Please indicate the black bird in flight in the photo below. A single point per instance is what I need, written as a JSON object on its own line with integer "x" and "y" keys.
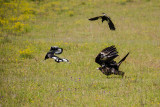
{"x": 104, "y": 17}
{"x": 51, "y": 54}
{"x": 106, "y": 60}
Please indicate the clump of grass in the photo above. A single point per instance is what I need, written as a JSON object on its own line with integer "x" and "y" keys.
{"x": 129, "y": 0}
{"x": 26, "y": 53}
{"x": 123, "y": 2}
{"x": 70, "y": 13}
{"x": 15, "y": 15}
{"x": 5, "y": 40}
{"x": 83, "y": 3}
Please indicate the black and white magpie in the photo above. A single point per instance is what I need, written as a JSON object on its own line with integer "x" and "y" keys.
{"x": 106, "y": 60}
{"x": 104, "y": 17}
{"x": 55, "y": 50}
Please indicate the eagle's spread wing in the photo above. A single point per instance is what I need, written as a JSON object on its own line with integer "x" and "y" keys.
{"x": 106, "y": 55}
{"x": 94, "y": 18}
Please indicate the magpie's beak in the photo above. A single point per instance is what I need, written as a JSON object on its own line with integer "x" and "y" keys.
{"x": 104, "y": 14}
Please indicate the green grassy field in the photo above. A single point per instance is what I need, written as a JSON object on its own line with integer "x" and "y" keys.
{"x": 27, "y": 80}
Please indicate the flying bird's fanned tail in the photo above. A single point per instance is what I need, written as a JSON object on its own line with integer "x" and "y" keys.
{"x": 123, "y": 59}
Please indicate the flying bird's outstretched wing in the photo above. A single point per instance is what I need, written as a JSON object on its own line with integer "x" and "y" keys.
{"x": 106, "y": 55}
{"x": 111, "y": 25}
{"x": 49, "y": 54}
{"x": 56, "y": 49}
{"x": 59, "y": 51}
{"x": 94, "y": 18}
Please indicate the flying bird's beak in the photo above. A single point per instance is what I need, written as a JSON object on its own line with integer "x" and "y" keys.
{"x": 104, "y": 14}
{"x": 97, "y": 68}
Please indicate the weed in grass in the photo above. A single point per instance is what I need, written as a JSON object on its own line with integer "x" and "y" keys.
{"x": 26, "y": 53}
{"x": 5, "y": 39}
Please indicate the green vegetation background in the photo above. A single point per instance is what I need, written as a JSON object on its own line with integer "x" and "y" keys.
{"x": 28, "y": 28}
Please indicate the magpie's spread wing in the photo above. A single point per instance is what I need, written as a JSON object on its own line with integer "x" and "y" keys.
{"x": 50, "y": 54}
{"x": 59, "y": 51}
{"x": 111, "y": 25}
{"x": 106, "y": 55}
{"x": 94, "y": 18}
{"x": 56, "y": 49}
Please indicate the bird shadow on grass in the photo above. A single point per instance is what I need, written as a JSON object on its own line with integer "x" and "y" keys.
{"x": 120, "y": 77}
